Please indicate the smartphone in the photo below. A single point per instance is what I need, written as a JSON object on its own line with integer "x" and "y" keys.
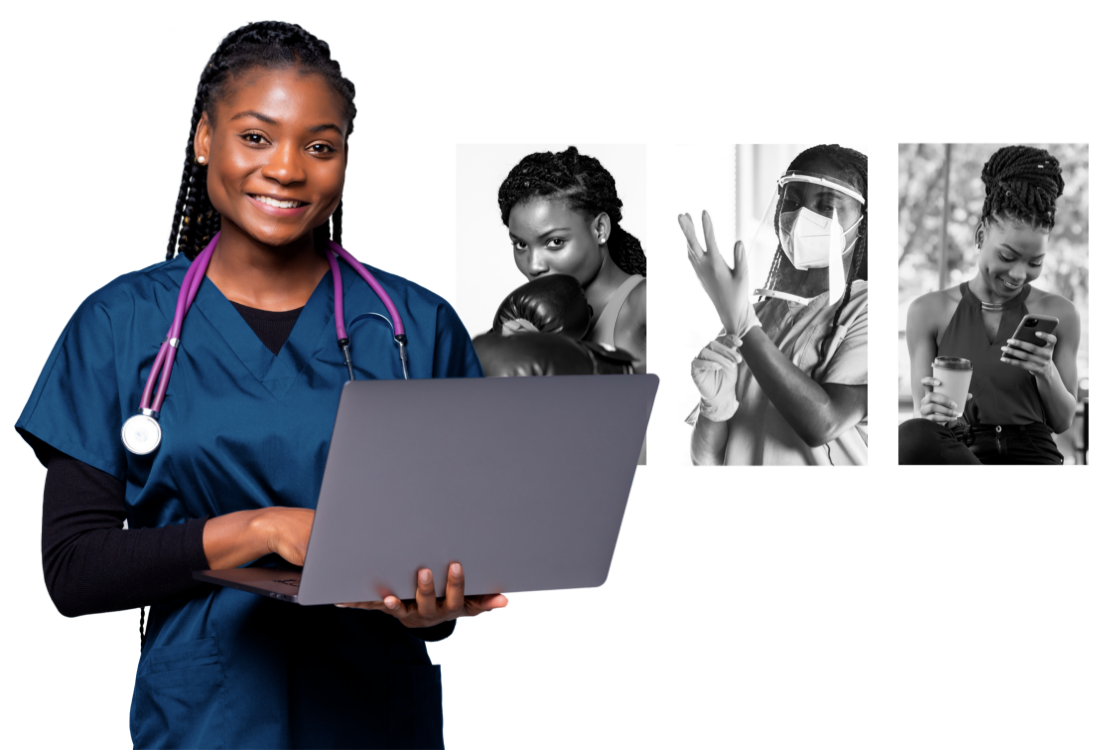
{"x": 1032, "y": 324}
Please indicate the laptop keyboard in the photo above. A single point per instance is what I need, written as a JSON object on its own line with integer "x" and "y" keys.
{"x": 288, "y": 581}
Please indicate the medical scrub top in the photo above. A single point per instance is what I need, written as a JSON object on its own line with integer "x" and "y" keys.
{"x": 244, "y": 428}
{"x": 757, "y": 433}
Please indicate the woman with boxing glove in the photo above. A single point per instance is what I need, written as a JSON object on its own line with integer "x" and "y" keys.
{"x": 786, "y": 382}
{"x": 563, "y": 214}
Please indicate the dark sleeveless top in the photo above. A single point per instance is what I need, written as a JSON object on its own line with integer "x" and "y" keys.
{"x": 1002, "y": 394}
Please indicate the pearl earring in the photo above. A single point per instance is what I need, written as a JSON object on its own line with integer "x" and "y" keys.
{"x": 200, "y": 160}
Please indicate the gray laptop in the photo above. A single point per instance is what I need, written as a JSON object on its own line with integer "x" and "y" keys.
{"x": 521, "y": 480}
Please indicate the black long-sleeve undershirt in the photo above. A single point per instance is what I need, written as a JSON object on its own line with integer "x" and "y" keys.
{"x": 92, "y": 564}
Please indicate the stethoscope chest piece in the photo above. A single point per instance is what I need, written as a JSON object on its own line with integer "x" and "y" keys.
{"x": 141, "y": 434}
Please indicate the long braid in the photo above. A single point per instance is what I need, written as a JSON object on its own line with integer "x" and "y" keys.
{"x": 858, "y": 262}
{"x": 772, "y": 273}
{"x": 779, "y": 262}
{"x": 626, "y": 251}
{"x": 190, "y": 170}
{"x": 268, "y": 44}
{"x": 585, "y": 185}
{"x": 1022, "y": 184}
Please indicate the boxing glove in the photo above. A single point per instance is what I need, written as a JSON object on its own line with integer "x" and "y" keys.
{"x": 532, "y": 353}
{"x": 549, "y": 304}
{"x": 609, "y": 361}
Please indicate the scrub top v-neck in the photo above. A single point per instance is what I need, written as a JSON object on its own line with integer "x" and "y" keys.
{"x": 275, "y": 372}
{"x": 245, "y": 428}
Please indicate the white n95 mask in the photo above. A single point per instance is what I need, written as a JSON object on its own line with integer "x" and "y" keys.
{"x": 808, "y": 238}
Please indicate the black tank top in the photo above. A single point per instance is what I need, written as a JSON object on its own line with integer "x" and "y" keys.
{"x": 1002, "y": 394}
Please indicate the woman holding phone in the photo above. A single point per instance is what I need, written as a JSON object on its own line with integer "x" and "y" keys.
{"x": 1021, "y": 391}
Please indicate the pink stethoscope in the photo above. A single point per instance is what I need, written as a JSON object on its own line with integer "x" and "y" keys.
{"x": 141, "y": 432}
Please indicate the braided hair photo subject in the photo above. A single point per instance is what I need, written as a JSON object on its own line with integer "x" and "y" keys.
{"x": 585, "y": 185}
{"x": 1021, "y": 184}
{"x": 852, "y": 167}
{"x": 265, "y": 44}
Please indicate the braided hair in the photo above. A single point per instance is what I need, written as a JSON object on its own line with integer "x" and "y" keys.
{"x": 852, "y": 167}
{"x": 267, "y": 44}
{"x": 1021, "y": 184}
{"x": 586, "y": 187}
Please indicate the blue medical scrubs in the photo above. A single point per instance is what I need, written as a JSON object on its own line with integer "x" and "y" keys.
{"x": 243, "y": 429}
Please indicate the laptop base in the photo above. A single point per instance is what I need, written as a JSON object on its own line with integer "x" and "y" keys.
{"x": 276, "y": 583}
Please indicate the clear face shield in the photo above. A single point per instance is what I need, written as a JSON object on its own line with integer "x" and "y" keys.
{"x": 805, "y": 237}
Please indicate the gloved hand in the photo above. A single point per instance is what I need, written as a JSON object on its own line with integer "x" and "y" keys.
{"x": 727, "y": 288}
{"x": 531, "y": 353}
{"x": 550, "y": 304}
{"x": 714, "y": 371}
{"x": 607, "y": 361}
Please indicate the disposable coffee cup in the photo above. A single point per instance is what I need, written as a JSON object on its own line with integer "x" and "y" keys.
{"x": 954, "y": 374}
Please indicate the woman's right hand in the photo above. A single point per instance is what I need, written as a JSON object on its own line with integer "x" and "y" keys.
{"x": 286, "y": 532}
{"x": 938, "y": 407}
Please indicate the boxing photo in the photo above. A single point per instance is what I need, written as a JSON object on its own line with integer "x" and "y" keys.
{"x": 552, "y": 276}
{"x": 993, "y": 304}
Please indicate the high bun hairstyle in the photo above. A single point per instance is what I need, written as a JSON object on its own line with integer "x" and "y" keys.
{"x": 267, "y": 44}
{"x": 1021, "y": 184}
{"x": 852, "y": 167}
{"x": 585, "y": 185}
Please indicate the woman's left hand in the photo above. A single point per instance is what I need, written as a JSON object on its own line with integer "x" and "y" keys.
{"x": 426, "y": 610}
{"x": 1037, "y": 360}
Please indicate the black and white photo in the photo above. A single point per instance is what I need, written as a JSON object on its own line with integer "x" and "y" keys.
{"x": 785, "y": 382}
{"x": 995, "y": 350}
{"x": 563, "y": 291}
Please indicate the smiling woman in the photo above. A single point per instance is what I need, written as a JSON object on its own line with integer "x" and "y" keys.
{"x": 248, "y": 419}
{"x": 998, "y": 331}
{"x": 274, "y": 153}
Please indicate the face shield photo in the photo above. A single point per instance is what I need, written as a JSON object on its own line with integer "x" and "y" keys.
{"x": 806, "y": 236}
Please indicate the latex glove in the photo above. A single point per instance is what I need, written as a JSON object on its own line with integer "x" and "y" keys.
{"x": 726, "y": 287}
{"x": 714, "y": 371}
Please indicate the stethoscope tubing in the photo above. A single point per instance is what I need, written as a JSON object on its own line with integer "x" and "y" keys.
{"x": 164, "y": 360}
{"x": 141, "y": 433}
{"x": 396, "y": 321}
{"x": 152, "y": 398}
